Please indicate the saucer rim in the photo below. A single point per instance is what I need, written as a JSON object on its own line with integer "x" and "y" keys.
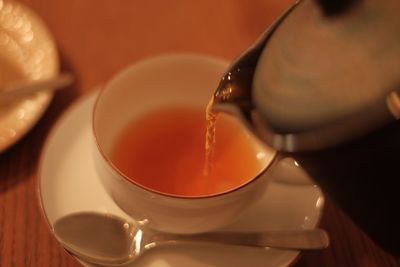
{"x": 39, "y": 172}
{"x": 50, "y": 136}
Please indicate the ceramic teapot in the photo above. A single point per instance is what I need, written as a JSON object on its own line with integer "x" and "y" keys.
{"x": 322, "y": 85}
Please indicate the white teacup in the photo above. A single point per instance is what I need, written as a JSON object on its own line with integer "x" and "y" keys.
{"x": 165, "y": 81}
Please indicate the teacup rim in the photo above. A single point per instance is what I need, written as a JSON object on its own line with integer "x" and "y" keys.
{"x": 138, "y": 64}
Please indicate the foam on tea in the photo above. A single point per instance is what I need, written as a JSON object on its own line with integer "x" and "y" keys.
{"x": 164, "y": 150}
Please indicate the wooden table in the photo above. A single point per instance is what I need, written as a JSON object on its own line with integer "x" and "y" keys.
{"x": 96, "y": 38}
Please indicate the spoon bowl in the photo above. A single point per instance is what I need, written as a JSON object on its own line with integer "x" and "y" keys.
{"x": 105, "y": 239}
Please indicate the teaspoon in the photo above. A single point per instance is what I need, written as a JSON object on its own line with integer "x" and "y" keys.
{"x": 105, "y": 239}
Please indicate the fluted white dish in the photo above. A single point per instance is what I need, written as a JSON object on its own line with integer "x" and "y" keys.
{"x": 27, "y": 50}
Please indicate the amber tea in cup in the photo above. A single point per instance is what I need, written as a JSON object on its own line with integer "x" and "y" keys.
{"x": 164, "y": 150}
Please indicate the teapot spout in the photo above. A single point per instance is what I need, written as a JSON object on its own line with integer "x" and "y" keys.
{"x": 232, "y": 94}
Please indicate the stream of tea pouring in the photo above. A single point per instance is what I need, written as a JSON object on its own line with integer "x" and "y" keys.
{"x": 105, "y": 239}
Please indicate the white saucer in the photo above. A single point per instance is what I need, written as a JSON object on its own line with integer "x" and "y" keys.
{"x": 68, "y": 183}
{"x": 27, "y": 48}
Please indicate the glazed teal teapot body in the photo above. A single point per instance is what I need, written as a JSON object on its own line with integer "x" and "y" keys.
{"x": 322, "y": 85}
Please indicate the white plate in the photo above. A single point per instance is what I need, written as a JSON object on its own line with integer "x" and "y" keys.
{"x": 27, "y": 48}
{"x": 68, "y": 183}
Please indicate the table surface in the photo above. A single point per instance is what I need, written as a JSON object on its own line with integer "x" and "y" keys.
{"x": 96, "y": 39}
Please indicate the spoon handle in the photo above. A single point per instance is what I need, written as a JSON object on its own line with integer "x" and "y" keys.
{"x": 16, "y": 91}
{"x": 285, "y": 239}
